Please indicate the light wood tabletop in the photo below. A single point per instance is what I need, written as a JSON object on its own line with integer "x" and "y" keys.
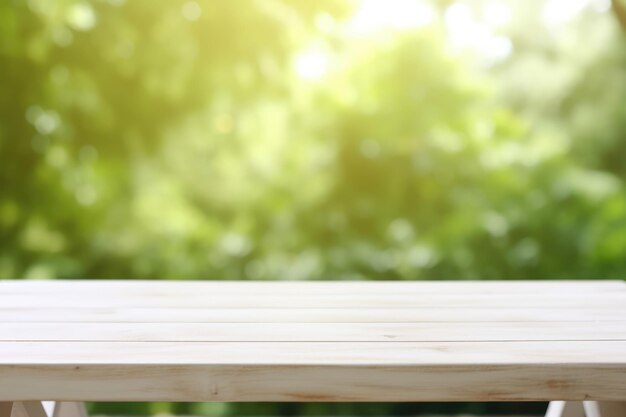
{"x": 312, "y": 341}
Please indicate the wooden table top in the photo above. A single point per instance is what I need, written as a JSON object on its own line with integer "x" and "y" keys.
{"x": 312, "y": 341}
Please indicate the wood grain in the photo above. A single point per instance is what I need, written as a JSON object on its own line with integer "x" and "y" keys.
{"x": 314, "y": 383}
{"x": 313, "y": 332}
{"x": 309, "y": 315}
{"x": 312, "y": 341}
{"x": 539, "y": 353}
{"x": 611, "y": 300}
{"x": 318, "y": 288}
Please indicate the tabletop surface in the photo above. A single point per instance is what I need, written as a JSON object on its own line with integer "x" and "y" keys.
{"x": 312, "y": 341}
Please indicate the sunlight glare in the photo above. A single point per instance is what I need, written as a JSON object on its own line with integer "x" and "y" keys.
{"x": 311, "y": 65}
{"x": 82, "y": 17}
{"x": 373, "y": 16}
{"x": 191, "y": 11}
{"x": 497, "y": 14}
{"x": 558, "y": 12}
{"x": 465, "y": 32}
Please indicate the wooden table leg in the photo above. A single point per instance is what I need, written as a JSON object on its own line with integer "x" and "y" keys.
{"x": 5, "y": 408}
{"x": 33, "y": 408}
{"x": 69, "y": 409}
{"x": 605, "y": 408}
{"x": 43, "y": 409}
{"x": 565, "y": 409}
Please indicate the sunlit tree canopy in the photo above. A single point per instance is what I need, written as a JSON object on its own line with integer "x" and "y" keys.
{"x": 404, "y": 139}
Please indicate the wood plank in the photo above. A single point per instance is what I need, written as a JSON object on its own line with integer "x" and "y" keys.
{"x": 204, "y": 287}
{"x": 538, "y": 353}
{"x": 91, "y": 300}
{"x": 268, "y": 342}
{"x": 313, "y": 332}
{"x": 309, "y": 315}
{"x": 314, "y": 383}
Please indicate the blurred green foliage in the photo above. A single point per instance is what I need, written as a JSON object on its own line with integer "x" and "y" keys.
{"x": 276, "y": 139}
{"x": 177, "y": 141}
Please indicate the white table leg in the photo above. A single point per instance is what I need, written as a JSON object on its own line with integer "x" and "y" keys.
{"x": 43, "y": 409}
{"x": 565, "y": 409}
{"x": 48, "y": 407}
{"x": 605, "y": 408}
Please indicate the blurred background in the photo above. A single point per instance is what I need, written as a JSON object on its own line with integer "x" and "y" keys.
{"x": 312, "y": 140}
